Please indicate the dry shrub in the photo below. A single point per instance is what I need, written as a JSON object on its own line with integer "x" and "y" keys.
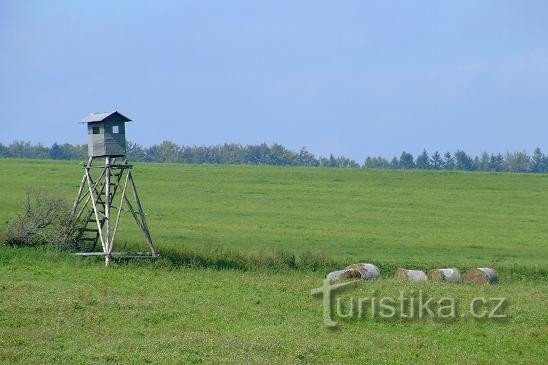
{"x": 44, "y": 219}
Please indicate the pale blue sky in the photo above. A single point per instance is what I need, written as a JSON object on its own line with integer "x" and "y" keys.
{"x": 355, "y": 78}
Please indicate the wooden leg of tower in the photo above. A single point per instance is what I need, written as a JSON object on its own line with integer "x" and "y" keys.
{"x": 120, "y": 205}
{"x": 80, "y": 190}
{"x": 94, "y": 205}
{"x": 144, "y": 225}
{"x": 108, "y": 243}
{"x": 73, "y": 216}
{"x": 78, "y": 197}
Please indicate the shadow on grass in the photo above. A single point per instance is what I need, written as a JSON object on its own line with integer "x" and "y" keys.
{"x": 219, "y": 259}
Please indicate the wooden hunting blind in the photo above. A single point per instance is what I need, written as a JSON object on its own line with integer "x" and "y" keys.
{"x": 106, "y": 190}
{"x": 106, "y": 134}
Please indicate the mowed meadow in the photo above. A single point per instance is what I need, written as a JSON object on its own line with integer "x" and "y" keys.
{"x": 208, "y": 299}
{"x": 346, "y": 214}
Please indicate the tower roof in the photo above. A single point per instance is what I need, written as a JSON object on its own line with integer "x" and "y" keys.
{"x": 101, "y": 116}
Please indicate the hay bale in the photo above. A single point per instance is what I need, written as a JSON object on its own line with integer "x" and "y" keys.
{"x": 367, "y": 271}
{"x": 451, "y": 275}
{"x": 410, "y": 275}
{"x": 355, "y": 271}
{"x": 481, "y": 275}
{"x": 340, "y": 275}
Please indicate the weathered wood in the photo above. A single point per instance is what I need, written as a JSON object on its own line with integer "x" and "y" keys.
{"x": 88, "y": 239}
{"x": 95, "y": 208}
{"x": 119, "y": 254}
{"x": 120, "y": 209}
{"x": 142, "y": 214}
{"x": 103, "y": 140}
{"x": 77, "y": 200}
{"x": 81, "y": 196}
{"x": 108, "y": 244}
{"x": 113, "y": 166}
{"x": 99, "y": 197}
{"x": 99, "y": 193}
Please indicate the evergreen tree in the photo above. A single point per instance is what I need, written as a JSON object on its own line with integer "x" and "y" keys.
{"x": 423, "y": 161}
{"x": 476, "y": 163}
{"x": 332, "y": 161}
{"x": 436, "y": 161}
{"x": 306, "y": 158}
{"x": 538, "y": 161}
{"x": 282, "y": 156}
{"x": 55, "y": 152}
{"x": 449, "y": 161}
{"x": 483, "y": 164}
{"x": 406, "y": 161}
{"x": 496, "y": 162}
{"x": 463, "y": 161}
{"x": 4, "y": 151}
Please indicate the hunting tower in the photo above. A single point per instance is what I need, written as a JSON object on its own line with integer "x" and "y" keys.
{"x": 97, "y": 209}
{"x": 106, "y": 134}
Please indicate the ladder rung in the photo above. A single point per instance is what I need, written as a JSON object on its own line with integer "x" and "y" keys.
{"x": 88, "y": 239}
{"x": 102, "y": 203}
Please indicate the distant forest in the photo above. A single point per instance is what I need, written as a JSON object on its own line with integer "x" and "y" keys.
{"x": 278, "y": 155}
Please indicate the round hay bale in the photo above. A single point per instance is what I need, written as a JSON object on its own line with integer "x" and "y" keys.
{"x": 410, "y": 275}
{"x": 481, "y": 275}
{"x": 367, "y": 271}
{"x": 340, "y": 275}
{"x": 451, "y": 275}
{"x": 355, "y": 271}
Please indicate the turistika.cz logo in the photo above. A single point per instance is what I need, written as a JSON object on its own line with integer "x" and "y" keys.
{"x": 409, "y": 305}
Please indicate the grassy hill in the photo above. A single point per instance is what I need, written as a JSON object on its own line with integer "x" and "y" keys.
{"x": 55, "y": 308}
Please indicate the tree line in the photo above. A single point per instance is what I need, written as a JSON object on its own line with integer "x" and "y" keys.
{"x": 278, "y": 155}
{"x": 167, "y": 151}
{"x": 519, "y": 161}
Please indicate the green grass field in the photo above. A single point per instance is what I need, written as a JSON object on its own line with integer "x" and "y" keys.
{"x": 55, "y": 308}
